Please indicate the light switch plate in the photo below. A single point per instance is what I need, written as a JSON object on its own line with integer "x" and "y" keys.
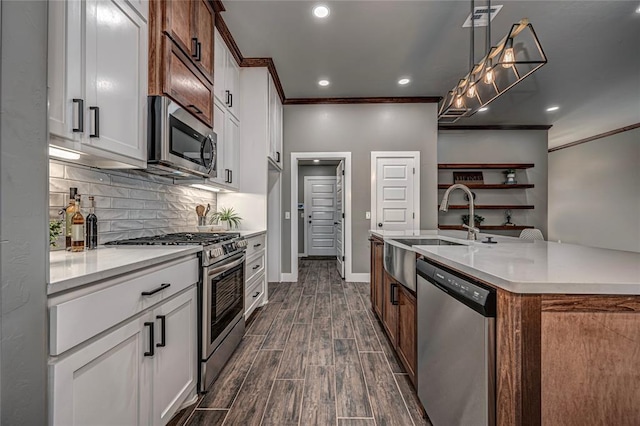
{"x": 367, "y": 215}
{"x": 287, "y": 215}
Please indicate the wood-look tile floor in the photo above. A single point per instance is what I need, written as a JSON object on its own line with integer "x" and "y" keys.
{"x": 314, "y": 355}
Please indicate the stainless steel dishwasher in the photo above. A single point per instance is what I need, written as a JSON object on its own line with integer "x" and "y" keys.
{"x": 456, "y": 348}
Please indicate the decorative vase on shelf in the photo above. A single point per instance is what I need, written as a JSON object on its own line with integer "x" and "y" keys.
{"x": 510, "y": 176}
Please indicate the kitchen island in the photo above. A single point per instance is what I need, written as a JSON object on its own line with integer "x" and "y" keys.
{"x": 567, "y": 326}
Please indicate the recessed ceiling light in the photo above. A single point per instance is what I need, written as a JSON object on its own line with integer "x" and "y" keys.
{"x": 321, "y": 11}
{"x": 316, "y": 161}
{"x": 483, "y": 109}
{"x": 404, "y": 81}
{"x": 553, "y": 108}
{"x": 638, "y": 9}
{"x": 323, "y": 83}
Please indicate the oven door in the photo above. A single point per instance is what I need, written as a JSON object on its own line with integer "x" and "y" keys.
{"x": 223, "y": 301}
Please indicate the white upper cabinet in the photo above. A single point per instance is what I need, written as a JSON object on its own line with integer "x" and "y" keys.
{"x": 98, "y": 78}
{"x": 226, "y": 76}
{"x": 232, "y": 151}
{"x": 275, "y": 124}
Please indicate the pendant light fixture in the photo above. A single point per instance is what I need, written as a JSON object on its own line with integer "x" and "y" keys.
{"x": 513, "y": 59}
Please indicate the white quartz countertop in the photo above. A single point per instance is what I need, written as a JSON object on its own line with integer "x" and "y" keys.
{"x": 69, "y": 270}
{"x": 541, "y": 267}
{"x": 250, "y": 233}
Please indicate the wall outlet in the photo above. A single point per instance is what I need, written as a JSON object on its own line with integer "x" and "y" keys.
{"x": 287, "y": 215}
{"x": 367, "y": 215}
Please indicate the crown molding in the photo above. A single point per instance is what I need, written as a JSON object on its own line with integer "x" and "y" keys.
{"x": 373, "y": 100}
{"x": 498, "y": 127}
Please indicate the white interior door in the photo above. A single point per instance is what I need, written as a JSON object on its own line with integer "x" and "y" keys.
{"x": 395, "y": 208}
{"x": 339, "y": 222}
{"x": 320, "y": 215}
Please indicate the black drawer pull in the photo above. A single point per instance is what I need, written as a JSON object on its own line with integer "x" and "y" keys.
{"x": 256, "y": 245}
{"x": 256, "y": 267}
{"x": 228, "y": 93}
{"x": 230, "y": 100}
{"x": 394, "y": 294}
{"x": 163, "y": 331}
{"x": 277, "y": 156}
{"x": 256, "y": 295}
{"x": 80, "y": 127}
{"x": 152, "y": 348}
{"x": 195, "y": 108}
{"x": 96, "y": 123}
{"x": 155, "y": 290}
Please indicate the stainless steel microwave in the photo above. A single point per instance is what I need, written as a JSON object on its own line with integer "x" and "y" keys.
{"x": 179, "y": 145}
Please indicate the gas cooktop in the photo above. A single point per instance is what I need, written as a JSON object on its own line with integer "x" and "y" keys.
{"x": 178, "y": 239}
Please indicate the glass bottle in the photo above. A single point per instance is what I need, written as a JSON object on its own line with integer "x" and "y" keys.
{"x": 69, "y": 212}
{"x": 91, "y": 242}
{"x": 77, "y": 229}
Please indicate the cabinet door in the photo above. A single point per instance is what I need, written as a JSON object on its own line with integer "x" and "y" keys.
{"x": 65, "y": 70}
{"x": 219, "y": 118}
{"x": 390, "y": 307}
{"x": 273, "y": 105}
{"x": 232, "y": 151}
{"x": 377, "y": 270}
{"x": 116, "y": 78}
{"x": 233, "y": 85}
{"x": 106, "y": 382}
{"x": 407, "y": 330}
{"x": 178, "y": 23}
{"x": 278, "y": 129}
{"x": 203, "y": 23}
{"x": 219, "y": 68}
{"x": 186, "y": 86}
{"x": 175, "y": 360}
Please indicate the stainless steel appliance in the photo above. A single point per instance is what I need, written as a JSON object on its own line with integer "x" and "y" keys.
{"x": 220, "y": 294}
{"x": 179, "y": 145}
{"x": 456, "y": 348}
{"x": 400, "y": 263}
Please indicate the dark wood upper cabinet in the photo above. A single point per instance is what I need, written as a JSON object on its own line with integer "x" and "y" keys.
{"x": 178, "y": 23}
{"x": 203, "y": 32}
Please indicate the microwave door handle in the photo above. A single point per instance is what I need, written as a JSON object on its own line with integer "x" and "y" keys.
{"x": 208, "y": 141}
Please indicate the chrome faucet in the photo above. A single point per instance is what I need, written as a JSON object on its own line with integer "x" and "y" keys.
{"x": 444, "y": 206}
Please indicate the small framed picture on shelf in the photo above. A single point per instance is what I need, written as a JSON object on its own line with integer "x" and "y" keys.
{"x": 468, "y": 178}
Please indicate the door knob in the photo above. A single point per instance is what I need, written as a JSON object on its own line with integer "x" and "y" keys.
{"x": 309, "y": 221}
{"x": 380, "y": 225}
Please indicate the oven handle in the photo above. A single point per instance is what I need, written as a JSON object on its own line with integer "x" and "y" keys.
{"x": 229, "y": 263}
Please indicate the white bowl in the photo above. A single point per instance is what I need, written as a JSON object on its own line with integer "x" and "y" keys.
{"x": 217, "y": 227}
{"x": 206, "y": 228}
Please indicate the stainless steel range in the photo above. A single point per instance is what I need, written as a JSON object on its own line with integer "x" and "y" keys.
{"x": 220, "y": 294}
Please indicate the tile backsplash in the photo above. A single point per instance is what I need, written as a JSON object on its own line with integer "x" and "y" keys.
{"x": 129, "y": 204}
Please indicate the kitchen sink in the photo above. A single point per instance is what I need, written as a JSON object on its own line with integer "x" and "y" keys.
{"x": 425, "y": 242}
{"x": 400, "y": 263}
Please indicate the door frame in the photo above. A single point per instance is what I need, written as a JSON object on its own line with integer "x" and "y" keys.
{"x": 295, "y": 157}
{"x": 416, "y": 183}
{"x": 306, "y": 228}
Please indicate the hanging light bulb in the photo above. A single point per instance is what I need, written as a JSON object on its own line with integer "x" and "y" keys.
{"x": 459, "y": 103}
{"x": 509, "y": 57}
{"x": 471, "y": 91}
{"x": 488, "y": 76}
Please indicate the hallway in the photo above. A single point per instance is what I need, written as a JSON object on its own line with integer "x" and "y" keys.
{"x": 315, "y": 355}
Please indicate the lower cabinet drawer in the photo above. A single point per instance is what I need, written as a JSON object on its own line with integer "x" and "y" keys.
{"x": 77, "y": 320}
{"x": 254, "y": 268}
{"x": 255, "y": 244}
{"x": 254, "y": 294}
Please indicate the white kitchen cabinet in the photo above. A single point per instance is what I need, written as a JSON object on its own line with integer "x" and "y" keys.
{"x": 275, "y": 124}
{"x": 98, "y": 78}
{"x": 255, "y": 274}
{"x": 226, "y": 77}
{"x": 227, "y": 129}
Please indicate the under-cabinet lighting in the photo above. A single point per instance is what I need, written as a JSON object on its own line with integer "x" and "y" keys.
{"x": 321, "y": 11}
{"x": 553, "y": 108}
{"x": 316, "y": 161}
{"x": 63, "y": 153}
{"x": 205, "y": 187}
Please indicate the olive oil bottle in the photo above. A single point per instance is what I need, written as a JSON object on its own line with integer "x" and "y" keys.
{"x": 77, "y": 228}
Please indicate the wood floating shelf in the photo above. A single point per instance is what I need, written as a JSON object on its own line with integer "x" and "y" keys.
{"x": 492, "y": 207}
{"x": 491, "y": 186}
{"x": 487, "y": 227}
{"x": 461, "y": 166}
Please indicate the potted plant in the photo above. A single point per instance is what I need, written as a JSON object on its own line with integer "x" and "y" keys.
{"x": 510, "y": 175}
{"x": 55, "y": 229}
{"x": 477, "y": 218}
{"x": 228, "y": 216}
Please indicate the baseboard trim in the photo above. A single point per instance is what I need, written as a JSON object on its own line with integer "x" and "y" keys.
{"x": 288, "y": 278}
{"x": 359, "y": 277}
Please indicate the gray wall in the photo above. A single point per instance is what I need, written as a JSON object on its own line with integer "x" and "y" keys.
{"x": 498, "y": 146}
{"x": 23, "y": 212}
{"x": 594, "y": 193}
{"x": 361, "y": 129}
{"x": 129, "y": 204}
{"x": 302, "y": 172}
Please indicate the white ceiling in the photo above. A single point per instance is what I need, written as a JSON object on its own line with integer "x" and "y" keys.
{"x": 364, "y": 47}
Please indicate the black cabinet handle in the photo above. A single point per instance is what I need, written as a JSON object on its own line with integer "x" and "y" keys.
{"x": 257, "y": 245}
{"x": 226, "y": 175}
{"x": 199, "y": 52}
{"x": 96, "y": 128}
{"x": 256, "y": 295}
{"x": 155, "y": 290}
{"x": 152, "y": 348}
{"x": 230, "y": 100}
{"x": 80, "y": 127}
{"x": 228, "y": 93}
{"x": 163, "y": 331}
{"x": 394, "y": 294}
{"x": 230, "y": 176}
{"x": 195, "y": 108}
{"x": 277, "y": 156}
{"x": 255, "y": 267}
{"x": 194, "y": 48}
